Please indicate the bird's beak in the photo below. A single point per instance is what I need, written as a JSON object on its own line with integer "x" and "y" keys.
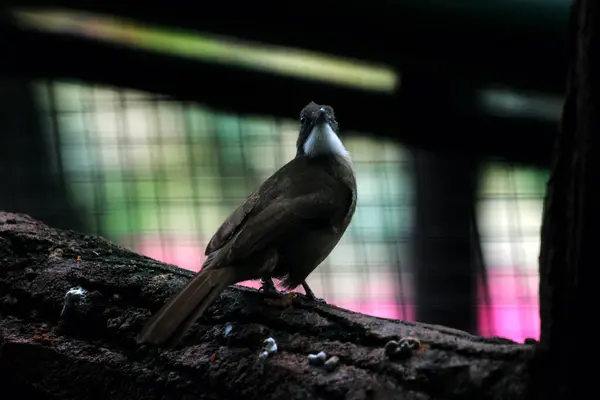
{"x": 321, "y": 117}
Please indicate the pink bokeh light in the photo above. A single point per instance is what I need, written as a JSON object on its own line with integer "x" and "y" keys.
{"x": 512, "y": 312}
{"x": 514, "y": 306}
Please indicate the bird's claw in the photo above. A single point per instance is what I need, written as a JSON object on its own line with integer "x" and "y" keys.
{"x": 269, "y": 287}
{"x": 317, "y": 299}
{"x": 272, "y": 291}
{"x": 311, "y": 295}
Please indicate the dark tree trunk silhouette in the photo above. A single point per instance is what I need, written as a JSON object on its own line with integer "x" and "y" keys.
{"x": 570, "y": 251}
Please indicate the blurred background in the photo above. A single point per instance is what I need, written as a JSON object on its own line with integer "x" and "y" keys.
{"x": 148, "y": 127}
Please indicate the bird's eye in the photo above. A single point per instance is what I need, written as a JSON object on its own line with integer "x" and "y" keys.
{"x": 302, "y": 120}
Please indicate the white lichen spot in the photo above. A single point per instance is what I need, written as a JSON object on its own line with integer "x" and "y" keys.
{"x": 72, "y": 298}
{"x": 332, "y": 363}
{"x": 317, "y": 359}
{"x": 263, "y": 356}
{"x": 269, "y": 346}
{"x": 228, "y": 330}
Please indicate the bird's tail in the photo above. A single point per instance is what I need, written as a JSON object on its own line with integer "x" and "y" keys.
{"x": 178, "y": 314}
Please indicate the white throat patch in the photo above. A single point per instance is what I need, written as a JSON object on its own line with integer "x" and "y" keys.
{"x": 323, "y": 140}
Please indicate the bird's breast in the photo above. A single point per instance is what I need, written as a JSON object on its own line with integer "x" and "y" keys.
{"x": 301, "y": 254}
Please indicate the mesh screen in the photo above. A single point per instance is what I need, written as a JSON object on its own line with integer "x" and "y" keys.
{"x": 159, "y": 176}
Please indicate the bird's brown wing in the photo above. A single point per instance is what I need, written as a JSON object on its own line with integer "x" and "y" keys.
{"x": 271, "y": 189}
{"x": 231, "y": 224}
{"x": 315, "y": 200}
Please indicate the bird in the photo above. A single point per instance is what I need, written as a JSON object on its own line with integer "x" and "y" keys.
{"x": 283, "y": 230}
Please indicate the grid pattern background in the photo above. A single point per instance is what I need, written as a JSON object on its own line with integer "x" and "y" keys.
{"x": 509, "y": 217}
{"x": 159, "y": 176}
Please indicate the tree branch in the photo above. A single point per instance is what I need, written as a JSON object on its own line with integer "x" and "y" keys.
{"x": 90, "y": 350}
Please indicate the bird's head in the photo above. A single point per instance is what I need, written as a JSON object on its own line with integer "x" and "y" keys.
{"x": 319, "y": 132}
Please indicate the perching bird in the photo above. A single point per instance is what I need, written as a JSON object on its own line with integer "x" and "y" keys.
{"x": 283, "y": 230}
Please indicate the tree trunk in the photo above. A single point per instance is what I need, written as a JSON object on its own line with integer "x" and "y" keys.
{"x": 570, "y": 250}
{"x": 89, "y": 351}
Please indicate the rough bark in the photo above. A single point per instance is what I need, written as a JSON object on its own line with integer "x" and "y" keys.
{"x": 90, "y": 351}
{"x": 570, "y": 252}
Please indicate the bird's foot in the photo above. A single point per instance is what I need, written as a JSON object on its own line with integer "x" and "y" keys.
{"x": 311, "y": 295}
{"x": 269, "y": 287}
{"x": 316, "y": 299}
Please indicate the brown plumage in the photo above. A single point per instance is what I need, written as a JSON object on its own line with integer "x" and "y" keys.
{"x": 283, "y": 230}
